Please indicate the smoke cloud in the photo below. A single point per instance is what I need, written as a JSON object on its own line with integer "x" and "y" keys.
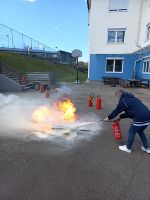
{"x": 16, "y": 117}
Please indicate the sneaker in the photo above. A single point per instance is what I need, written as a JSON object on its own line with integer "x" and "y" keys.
{"x": 124, "y": 148}
{"x": 146, "y": 150}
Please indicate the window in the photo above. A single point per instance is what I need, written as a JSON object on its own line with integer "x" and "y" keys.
{"x": 148, "y": 32}
{"x": 114, "y": 65}
{"x": 118, "y": 5}
{"x": 146, "y": 67}
{"x": 116, "y": 35}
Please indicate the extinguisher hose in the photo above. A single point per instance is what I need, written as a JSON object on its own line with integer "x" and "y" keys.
{"x": 103, "y": 121}
{"x": 94, "y": 122}
{"x": 87, "y": 124}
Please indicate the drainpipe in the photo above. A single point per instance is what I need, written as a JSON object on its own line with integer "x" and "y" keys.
{"x": 134, "y": 70}
{"x": 139, "y": 24}
{"x": 137, "y": 39}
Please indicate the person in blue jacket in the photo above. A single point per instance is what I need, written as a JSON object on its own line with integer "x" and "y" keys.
{"x": 131, "y": 107}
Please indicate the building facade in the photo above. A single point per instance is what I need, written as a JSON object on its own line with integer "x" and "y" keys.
{"x": 119, "y": 39}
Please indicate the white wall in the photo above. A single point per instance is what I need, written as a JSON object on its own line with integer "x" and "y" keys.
{"x": 101, "y": 19}
{"x": 145, "y": 19}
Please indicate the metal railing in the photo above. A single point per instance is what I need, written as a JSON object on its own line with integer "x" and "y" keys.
{"x": 12, "y": 39}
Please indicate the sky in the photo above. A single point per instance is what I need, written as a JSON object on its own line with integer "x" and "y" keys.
{"x": 59, "y": 24}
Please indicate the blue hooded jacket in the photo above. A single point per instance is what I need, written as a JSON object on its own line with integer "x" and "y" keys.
{"x": 132, "y": 108}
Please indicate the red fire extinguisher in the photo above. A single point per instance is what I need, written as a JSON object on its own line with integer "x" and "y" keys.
{"x": 116, "y": 130}
{"x": 90, "y": 101}
{"x": 42, "y": 88}
{"x": 98, "y": 103}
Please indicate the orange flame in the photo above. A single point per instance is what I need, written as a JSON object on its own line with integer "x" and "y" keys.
{"x": 41, "y": 114}
{"x": 40, "y": 117}
{"x": 68, "y": 110}
{"x": 58, "y": 113}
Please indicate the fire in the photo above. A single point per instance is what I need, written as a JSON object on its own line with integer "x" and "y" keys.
{"x": 40, "y": 117}
{"x": 68, "y": 110}
{"x": 58, "y": 113}
{"x": 41, "y": 114}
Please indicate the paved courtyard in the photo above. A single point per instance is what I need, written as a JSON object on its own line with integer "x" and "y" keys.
{"x": 84, "y": 168}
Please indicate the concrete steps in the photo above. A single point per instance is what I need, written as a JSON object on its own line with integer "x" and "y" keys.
{"x": 12, "y": 77}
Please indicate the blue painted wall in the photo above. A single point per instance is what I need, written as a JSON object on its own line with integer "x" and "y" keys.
{"x": 98, "y": 65}
{"x": 139, "y": 67}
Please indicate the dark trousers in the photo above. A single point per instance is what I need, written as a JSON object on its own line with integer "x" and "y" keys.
{"x": 132, "y": 132}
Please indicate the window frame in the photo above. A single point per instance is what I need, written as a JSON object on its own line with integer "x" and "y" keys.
{"x": 114, "y": 61}
{"x": 116, "y": 30}
{"x": 146, "y": 65}
{"x": 118, "y": 9}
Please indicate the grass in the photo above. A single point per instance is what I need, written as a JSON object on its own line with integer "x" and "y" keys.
{"x": 65, "y": 73}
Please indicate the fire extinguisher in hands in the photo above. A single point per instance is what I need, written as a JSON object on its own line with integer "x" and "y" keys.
{"x": 115, "y": 127}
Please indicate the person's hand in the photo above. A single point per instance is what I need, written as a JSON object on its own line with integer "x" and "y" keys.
{"x": 106, "y": 119}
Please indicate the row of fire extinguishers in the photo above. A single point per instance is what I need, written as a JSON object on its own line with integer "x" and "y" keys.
{"x": 98, "y": 101}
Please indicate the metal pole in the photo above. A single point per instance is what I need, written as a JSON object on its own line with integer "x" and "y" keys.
{"x": 44, "y": 48}
{"x": 12, "y": 39}
{"x": 31, "y": 43}
{"x": 77, "y": 71}
{"x": 22, "y": 42}
{"x": 7, "y": 40}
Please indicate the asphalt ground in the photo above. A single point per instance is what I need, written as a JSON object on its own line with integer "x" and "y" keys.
{"x": 89, "y": 169}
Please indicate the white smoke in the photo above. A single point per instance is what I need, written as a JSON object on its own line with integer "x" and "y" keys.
{"x": 13, "y": 114}
{"x": 16, "y": 112}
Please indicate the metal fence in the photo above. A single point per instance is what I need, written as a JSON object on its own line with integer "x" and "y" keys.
{"x": 12, "y": 39}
